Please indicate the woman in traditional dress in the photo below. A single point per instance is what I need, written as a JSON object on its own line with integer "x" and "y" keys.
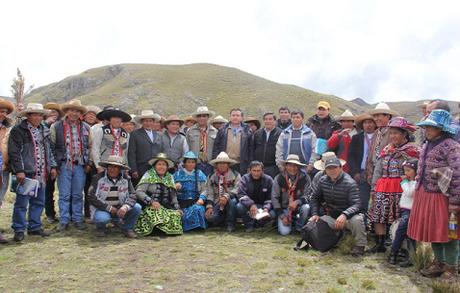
{"x": 437, "y": 195}
{"x": 387, "y": 178}
{"x": 157, "y": 191}
{"x": 190, "y": 186}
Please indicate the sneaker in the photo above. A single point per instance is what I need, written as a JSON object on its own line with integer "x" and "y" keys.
{"x": 80, "y": 226}
{"x": 63, "y": 227}
{"x": 357, "y": 251}
{"x": 130, "y": 234}
{"x": 18, "y": 236}
{"x": 39, "y": 232}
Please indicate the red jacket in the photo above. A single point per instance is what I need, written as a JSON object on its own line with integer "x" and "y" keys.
{"x": 339, "y": 144}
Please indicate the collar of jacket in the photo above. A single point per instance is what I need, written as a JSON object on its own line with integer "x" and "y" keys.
{"x": 243, "y": 125}
{"x": 322, "y": 120}
{"x": 24, "y": 125}
{"x": 304, "y": 129}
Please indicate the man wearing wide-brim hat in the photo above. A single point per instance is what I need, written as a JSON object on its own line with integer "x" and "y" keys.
{"x": 253, "y": 123}
{"x": 338, "y": 193}
{"x": 222, "y": 192}
{"x": 218, "y": 122}
{"x": 30, "y": 156}
{"x": 200, "y": 138}
{"x": 340, "y": 140}
{"x": 144, "y": 144}
{"x": 70, "y": 142}
{"x": 290, "y": 195}
{"x": 55, "y": 113}
{"x": 173, "y": 142}
{"x": 189, "y": 121}
{"x": 6, "y": 108}
{"x": 90, "y": 115}
{"x": 382, "y": 115}
{"x": 110, "y": 139}
{"x": 113, "y": 196}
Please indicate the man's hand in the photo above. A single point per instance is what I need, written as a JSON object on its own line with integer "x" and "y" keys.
{"x": 223, "y": 201}
{"x": 53, "y": 173}
{"x": 100, "y": 170}
{"x": 122, "y": 212}
{"x": 178, "y": 186}
{"x": 180, "y": 213}
{"x": 87, "y": 169}
{"x": 20, "y": 177}
{"x": 253, "y": 211}
{"x": 156, "y": 205}
{"x": 340, "y": 222}
{"x": 200, "y": 202}
{"x": 113, "y": 211}
{"x": 293, "y": 205}
{"x": 208, "y": 213}
{"x": 314, "y": 218}
{"x": 135, "y": 175}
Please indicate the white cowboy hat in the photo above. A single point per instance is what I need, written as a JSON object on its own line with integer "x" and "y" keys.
{"x": 147, "y": 114}
{"x": 383, "y": 108}
{"x": 73, "y": 104}
{"x": 328, "y": 159}
{"x": 94, "y": 109}
{"x": 33, "y": 108}
{"x": 346, "y": 116}
{"x": 219, "y": 119}
{"x": 293, "y": 159}
{"x": 115, "y": 161}
{"x": 203, "y": 110}
{"x": 222, "y": 158}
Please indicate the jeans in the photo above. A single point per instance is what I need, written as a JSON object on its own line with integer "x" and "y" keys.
{"x": 49, "y": 198}
{"x": 71, "y": 182}
{"x": 206, "y": 168}
{"x": 401, "y": 232}
{"x": 225, "y": 216}
{"x": 243, "y": 212}
{"x": 35, "y": 204}
{"x": 4, "y": 187}
{"x": 102, "y": 218}
{"x": 299, "y": 218}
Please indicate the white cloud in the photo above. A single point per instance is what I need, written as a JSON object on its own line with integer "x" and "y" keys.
{"x": 377, "y": 50}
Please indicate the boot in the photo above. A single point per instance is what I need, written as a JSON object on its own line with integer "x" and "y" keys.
{"x": 379, "y": 244}
{"x": 450, "y": 273}
{"x": 434, "y": 270}
{"x": 393, "y": 258}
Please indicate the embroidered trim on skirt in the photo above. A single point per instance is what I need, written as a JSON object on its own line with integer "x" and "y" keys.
{"x": 166, "y": 220}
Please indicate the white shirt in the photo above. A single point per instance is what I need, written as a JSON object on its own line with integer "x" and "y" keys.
{"x": 367, "y": 145}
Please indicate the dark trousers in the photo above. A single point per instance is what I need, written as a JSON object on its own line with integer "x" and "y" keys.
{"x": 49, "y": 198}
{"x": 271, "y": 171}
{"x": 401, "y": 232}
{"x": 206, "y": 168}
{"x": 89, "y": 179}
{"x": 225, "y": 216}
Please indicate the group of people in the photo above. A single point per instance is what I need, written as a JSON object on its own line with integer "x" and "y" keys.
{"x": 151, "y": 174}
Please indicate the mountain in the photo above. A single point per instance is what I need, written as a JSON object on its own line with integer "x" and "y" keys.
{"x": 360, "y": 102}
{"x": 180, "y": 89}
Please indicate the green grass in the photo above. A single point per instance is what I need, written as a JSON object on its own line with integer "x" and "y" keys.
{"x": 211, "y": 261}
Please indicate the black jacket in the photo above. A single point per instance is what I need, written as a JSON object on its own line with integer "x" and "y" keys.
{"x": 355, "y": 153}
{"x": 246, "y": 191}
{"x": 323, "y": 128}
{"x": 264, "y": 151}
{"x": 142, "y": 149}
{"x": 21, "y": 150}
{"x": 340, "y": 197}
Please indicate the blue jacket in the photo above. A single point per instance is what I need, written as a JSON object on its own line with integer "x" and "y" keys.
{"x": 308, "y": 140}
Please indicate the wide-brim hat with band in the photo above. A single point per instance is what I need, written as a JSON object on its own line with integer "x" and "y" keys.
{"x": 222, "y": 158}
{"x": 383, "y": 108}
{"x": 253, "y": 120}
{"x": 172, "y": 118}
{"x": 33, "y": 108}
{"x": 162, "y": 157}
{"x": 203, "y": 110}
{"x": 359, "y": 120}
{"x": 346, "y": 116}
{"x": 293, "y": 159}
{"x": 219, "y": 119}
{"x": 402, "y": 123}
{"x": 5, "y": 104}
{"x": 328, "y": 159}
{"x": 75, "y": 105}
{"x": 189, "y": 118}
{"x": 440, "y": 119}
{"x": 95, "y": 109}
{"x": 147, "y": 114}
{"x": 55, "y": 107}
{"x": 114, "y": 161}
{"x": 110, "y": 111}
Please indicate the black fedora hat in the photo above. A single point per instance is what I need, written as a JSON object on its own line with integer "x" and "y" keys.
{"x": 110, "y": 111}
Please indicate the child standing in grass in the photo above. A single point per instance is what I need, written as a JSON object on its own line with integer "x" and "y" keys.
{"x": 408, "y": 186}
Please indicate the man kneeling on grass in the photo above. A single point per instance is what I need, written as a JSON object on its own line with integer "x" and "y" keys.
{"x": 339, "y": 194}
{"x": 114, "y": 197}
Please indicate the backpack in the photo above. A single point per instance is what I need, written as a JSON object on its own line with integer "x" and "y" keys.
{"x": 319, "y": 236}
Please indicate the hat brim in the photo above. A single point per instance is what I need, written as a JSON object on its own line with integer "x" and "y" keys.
{"x": 140, "y": 118}
{"x": 30, "y": 111}
{"x": 345, "y": 118}
{"x": 295, "y": 162}
{"x": 229, "y": 161}
{"x": 360, "y": 120}
{"x": 432, "y": 123}
{"x": 410, "y": 130}
{"x": 383, "y": 111}
{"x": 7, "y": 105}
{"x": 66, "y": 108}
{"x": 210, "y": 113}
{"x": 107, "y": 114}
{"x": 320, "y": 165}
{"x": 181, "y": 122}
{"x": 105, "y": 164}
{"x": 153, "y": 161}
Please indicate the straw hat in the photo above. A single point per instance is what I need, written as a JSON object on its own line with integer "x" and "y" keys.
{"x": 203, "y": 110}
{"x": 383, "y": 108}
{"x": 346, "y": 116}
{"x": 94, "y": 109}
{"x": 359, "y": 120}
{"x": 219, "y": 119}
{"x": 114, "y": 161}
{"x": 328, "y": 159}
{"x": 253, "y": 120}
{"x": 172, "y": 118}
{"x": 222, "y": 158}
{"x": 162, "y": 157}
{"x": 293, "y": 159}
{"x": 55, "y": 107}
{"x": 5, "y": 104}
{"x": 189, "y": 118}
{"x": 147, "y": 114}
{"x": 73, "y": 104}
{"x": 33, "y": 108}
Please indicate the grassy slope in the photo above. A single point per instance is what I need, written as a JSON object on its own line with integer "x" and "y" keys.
{"x": 211, "y": 261}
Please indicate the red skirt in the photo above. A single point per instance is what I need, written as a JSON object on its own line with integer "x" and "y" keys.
{"x": 429, "y": 218}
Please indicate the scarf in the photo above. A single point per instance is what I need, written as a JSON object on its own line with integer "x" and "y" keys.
{"x": 151, "y": 177}
{"x": 39, "y": 152}
{"x": 74, "y": 145}
{"x": 291, "y": 189}
{"x": 117, "y": 150}
{"x": 203, "y": 145}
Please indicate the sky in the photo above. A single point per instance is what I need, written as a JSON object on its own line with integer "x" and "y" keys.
{"x": 374, "y": 50}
